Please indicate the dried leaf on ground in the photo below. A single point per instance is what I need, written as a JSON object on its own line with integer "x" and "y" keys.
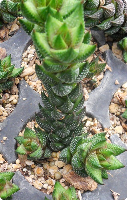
{"x": 81, "y": 183}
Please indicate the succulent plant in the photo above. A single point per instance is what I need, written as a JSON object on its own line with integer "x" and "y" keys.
{"x": 60, "y": 193}
{"x": 92, "y": 156}
{"x": 122, "y": 44}
{"x": 63, "y": 49}
{"x": 108, "y": 15}
{"x": 7, "y": 188}
{"x": 7, "y": 73}
{"x": 33, "y": 144}
{"x": 9, "y": 10}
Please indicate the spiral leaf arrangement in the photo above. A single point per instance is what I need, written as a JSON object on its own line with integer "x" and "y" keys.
{"x": 92, "y": 156}
{"x": 60, "y": 193}
{"x": 33, "y": 144}
{"x": 7, "y": 73}
{"x": 9, "y": 10}
{"x": 6, "y": 187}
{"x": 57, "y": 30}
{"x": 108, "y": 15}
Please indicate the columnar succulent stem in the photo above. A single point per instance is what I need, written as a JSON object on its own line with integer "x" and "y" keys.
{"x": 57, "y": 30}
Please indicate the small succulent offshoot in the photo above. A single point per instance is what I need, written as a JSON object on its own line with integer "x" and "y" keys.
{"x": 109, "y": 15}
{"x": 60, "y": 193}
{"x": 122, "y": 44}
{"x": 92, "y": 156}
{"x": 9, "y": 10}
{"x": 7, "y": 188}
{"x": 7, "y": 73}
{"x": 33, "y": 144}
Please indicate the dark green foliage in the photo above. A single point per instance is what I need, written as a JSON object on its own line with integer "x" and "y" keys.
{"x": 9, "y": 10}
{"x": 60, "y": 193}
{"x": 109, "y": 16}
{"x": 92, "y": 156}
{"x": 6, "y": 187}
{"x": 7, "y": 73}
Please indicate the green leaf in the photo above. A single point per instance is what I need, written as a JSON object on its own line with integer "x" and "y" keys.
{"x": 27, "y": 25}
{"x": 47, "y": 153}
{"x": 87, "y": 38}
{"x": 59, "y": 43}
{"x": 62, "y": 133}
{"x": 29, "y": 133}
{"x": 65, "y": 55}
{"x": 46, "y": 102}
{"x": 85, "y": 51}
{"x": 52, "y": 26}
{"x": 69, "y": 75}
{"x": 57, "y": 115}
{"x": 56, "y": 146}
{"x": 21, "y": 150}
{"x": 65, "y": 155}
{"x": 114, "y": 163}
{"x": 76, "y": 92}
{"x": 55, "y": 100}
{"x": 16, "y": 72}
{"x": 30, "y": 12}
{"x": 106, "y": 24}
{"x": 106, "y": 152}
{"x": 124, "y": 115}
{"x": 76, "y": 162}
{"x": 19, "y": 139}
{"x": 93, "y": 160}
{"x": 77, "y": 34}
{"x": 83, "y": 71}
{"x": 75, "y": 143}
{"x": 63, "y": 89}
{"x": 37, "y": 154}
{"x": 66, "y": 106}
{"x": 7, "y": 175}
{"x": 125, "y": 56}
{"x": 72, "y": 21}
{"x": 104, "y": 174}
{"x": 83, "y": 150}
{"x": 94, "y": 173}
{"x": 41, "y": 44}
{"x": 58, "y": 190}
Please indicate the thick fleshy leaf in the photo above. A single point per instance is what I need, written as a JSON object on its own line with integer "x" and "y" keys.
{"x": 41, "y": 44}
{"x": 65, "y": 155}
{"x": 63, "y": 89}
{"x": 85, "y": 51}
{"x": 76, "y": 162}
{"x": 16, "y": 72}
{"x": 114, "y": 163}
{"x": 67, "y": 106}
{"x": 21, "y": 150}
{"x": 53, "y": 66}
{"x": 37, "y": 154}
{"x": 69, "y": 75}
{"x": 76, "y": 92}
{"x": 75, "y": 143}
{"x": 72, "y": 21}
{"x": 52, "y": 26}
{"x": 65, "y": 55}
{"x": 77, "y": 35}
{"x": 59, "y": 43}
{"x": 83, "y": 150}
{"x": 30, "y": 12}
{"x": 93, "y": 160}
{"x": 27, "y": 25}
{"x": 46, "y": 102}
{"x": 29, "y": 133}
{"x": 58, "y": 190}
{"x": 94, "y": 173}
{"x": 106, "y": 24}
